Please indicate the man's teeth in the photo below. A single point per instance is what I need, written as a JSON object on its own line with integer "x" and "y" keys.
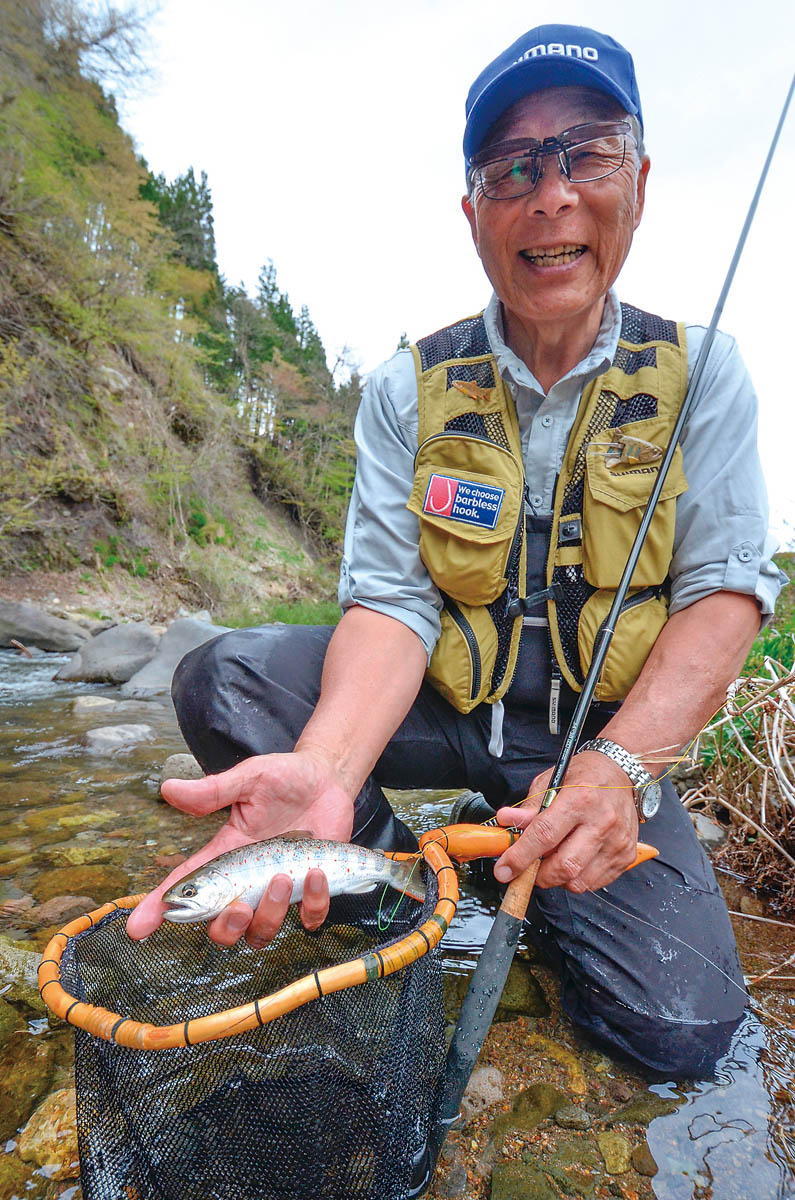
{"x": 553, "y": 257}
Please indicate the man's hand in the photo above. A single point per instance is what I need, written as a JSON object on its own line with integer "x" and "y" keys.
{"x": 588, "y": 835}
{"x": 267, "y": 795}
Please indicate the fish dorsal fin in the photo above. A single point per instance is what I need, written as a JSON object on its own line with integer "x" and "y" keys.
{"x": 296, "y": 835}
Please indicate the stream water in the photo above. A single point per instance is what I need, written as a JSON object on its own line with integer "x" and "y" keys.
{"x": 99, "y": 821}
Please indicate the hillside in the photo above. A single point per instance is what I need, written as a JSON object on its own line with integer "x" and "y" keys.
{"x": 161, "y": 433}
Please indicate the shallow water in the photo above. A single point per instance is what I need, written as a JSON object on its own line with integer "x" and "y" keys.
{"x": 58, "y": 800}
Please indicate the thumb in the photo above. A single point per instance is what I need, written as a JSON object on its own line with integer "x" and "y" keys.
{"x": 201, "y": 796}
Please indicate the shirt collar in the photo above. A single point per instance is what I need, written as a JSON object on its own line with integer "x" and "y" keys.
{"x": 596, "y": 361}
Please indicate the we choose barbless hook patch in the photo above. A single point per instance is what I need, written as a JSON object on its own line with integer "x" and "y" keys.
{"x": 463, "y": 500}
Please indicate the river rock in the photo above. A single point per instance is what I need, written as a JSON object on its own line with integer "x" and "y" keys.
{"x": 110, "y": 739}
{"x": 103, "y": 882}
{"x": 80, "y": 855}
{"x": 709, "y": 832}
{"x": 14, "y": 1176}
{"x": 572, "y": 1116}
{"x": 642, "y": 1110}
{"x": 113, "y": 656}
{"x": 181, "y": 636}
{"x": 10, "y": 1021}
{"x": 485, "y": 1088}
{"x": 18, "y": 974}
{"x": 522, "y": 995}
{"x": 521, "y": 1181}
{"x": 643, "y": 1160}
{"x": 615, "y": 1150}
{"x": 530, "y": 1107}
{"x": 62, "y": 909}
{"x": 180, "y": 766}
{"x": 32, "y": 625}
{"x": 87, "y": 704}
{"x": 26, "y": 1066}
{"x": 576, "y": 1167}
{"x": 50, "y": 1137}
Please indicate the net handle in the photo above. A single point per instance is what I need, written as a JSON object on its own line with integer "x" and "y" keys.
{"x": 124, "y": 1031}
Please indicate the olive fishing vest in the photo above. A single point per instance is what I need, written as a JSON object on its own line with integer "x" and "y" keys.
{"x": 469, "y": 495}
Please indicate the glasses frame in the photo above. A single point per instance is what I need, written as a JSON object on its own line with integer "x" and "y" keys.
{"x": 559, "y": 147}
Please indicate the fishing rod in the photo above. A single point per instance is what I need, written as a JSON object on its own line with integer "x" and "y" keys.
{"x": 491, "y": 972}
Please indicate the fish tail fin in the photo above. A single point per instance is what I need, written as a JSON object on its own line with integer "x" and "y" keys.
{"x": 407, "y": 877}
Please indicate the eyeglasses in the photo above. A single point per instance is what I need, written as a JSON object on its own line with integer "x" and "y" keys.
{"x": 584, "y": 153}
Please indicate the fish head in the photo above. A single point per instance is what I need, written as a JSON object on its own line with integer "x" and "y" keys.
{"x": 200, "y": 896}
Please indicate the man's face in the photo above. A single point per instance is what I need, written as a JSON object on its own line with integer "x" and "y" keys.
{"x": 553, "y": 254}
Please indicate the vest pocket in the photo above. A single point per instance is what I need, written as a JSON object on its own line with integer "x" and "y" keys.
{"x": 613, "y": 504}
{"x": 463, "y": 659}
{"x": 637, "y": 629}
{"x": 467, "y": 495}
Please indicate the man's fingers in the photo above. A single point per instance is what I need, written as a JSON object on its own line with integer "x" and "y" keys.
{"x": 270, "y": 912}
{"x": 315, "y": 904}
{"x": 542, "y": 833}
{"x": 229, "y": 926}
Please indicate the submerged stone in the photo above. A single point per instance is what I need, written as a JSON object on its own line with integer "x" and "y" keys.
{"x": 642, "y": 1110}
{"x": 103, "y": 882}
{"x": 521, "y": 1181}
{"x": 575, "y": 1166}
{"x": 25, "y": 1066}
{"x": 615, "y": 1150}
{"x": 50, "y": 1137}
{"x": 18, "y": 971}
{"x": 81, "y": 855}
{"x": 643, "y": 1160}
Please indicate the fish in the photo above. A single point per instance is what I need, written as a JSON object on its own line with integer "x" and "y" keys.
{"x": 244, "y": 874}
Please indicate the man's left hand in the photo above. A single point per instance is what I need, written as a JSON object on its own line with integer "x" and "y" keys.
{"x": 588, "y": 835}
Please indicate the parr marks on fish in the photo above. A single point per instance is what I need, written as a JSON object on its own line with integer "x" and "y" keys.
{"x": 245, "y": 873}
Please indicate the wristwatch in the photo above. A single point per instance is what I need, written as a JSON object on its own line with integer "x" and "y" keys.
{"x": 648, "y": 792}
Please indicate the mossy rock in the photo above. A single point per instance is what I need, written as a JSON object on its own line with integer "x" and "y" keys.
{"x": 26, "y": 1068}
{"x": 521, "y": 1181}
{"x": 103, "y": 882}
{"x": 642, "y": 1110}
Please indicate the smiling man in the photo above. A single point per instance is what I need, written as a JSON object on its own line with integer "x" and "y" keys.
{"x": 503, "y": 465}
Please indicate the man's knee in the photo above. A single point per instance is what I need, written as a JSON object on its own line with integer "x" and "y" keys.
{"x": 670, "y": 1044}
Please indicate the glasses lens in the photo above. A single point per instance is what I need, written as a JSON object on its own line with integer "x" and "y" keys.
{"x": 507, "y": 177}
{"x": 596, "y": 158}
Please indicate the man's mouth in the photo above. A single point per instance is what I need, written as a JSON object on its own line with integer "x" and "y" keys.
{"x": 553, "y": 256}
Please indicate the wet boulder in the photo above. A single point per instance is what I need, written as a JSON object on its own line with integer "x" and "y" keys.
{"x": 50, "y": 1137}
{"x": 114, "y": 655}
{"x": 109, "y": 739}
{"x": 182, "y": 635}
{"x": 26, "y": 623}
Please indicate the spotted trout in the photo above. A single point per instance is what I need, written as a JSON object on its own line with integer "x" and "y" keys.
{"x": 244, "y": 874}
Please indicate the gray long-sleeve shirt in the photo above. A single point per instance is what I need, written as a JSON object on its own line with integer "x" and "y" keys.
{"x": 721, "y": 540}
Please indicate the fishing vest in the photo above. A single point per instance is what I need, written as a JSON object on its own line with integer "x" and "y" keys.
{"x": 469, "y": 495}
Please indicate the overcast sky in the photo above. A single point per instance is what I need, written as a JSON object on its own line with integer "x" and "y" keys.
{"x": 331, "y": 135}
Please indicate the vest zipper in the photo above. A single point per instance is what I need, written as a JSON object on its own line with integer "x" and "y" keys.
{"x": 471, "y": 641}
{"x": 649, "y": 593}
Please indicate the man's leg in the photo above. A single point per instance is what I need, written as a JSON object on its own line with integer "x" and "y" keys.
{"x": 252, "y": 691}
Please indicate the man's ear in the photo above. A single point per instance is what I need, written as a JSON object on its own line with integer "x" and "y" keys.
{"x": 640, "y": 190}
{"x": 471, "y": 216}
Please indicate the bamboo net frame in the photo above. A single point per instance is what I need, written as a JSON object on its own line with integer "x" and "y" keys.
{"x": 464, "y": 842}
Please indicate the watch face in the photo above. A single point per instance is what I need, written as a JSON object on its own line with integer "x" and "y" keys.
{"x": 650, "y": 800}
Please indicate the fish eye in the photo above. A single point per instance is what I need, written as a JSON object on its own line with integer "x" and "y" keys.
{"x": 189, "y": 890}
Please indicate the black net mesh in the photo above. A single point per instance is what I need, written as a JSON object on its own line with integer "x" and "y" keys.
{"x": 481, "y": 373}
{"x": 638, "y": 327}
{"x": 465, "y": 339}
{"x": 631, "y": 361}
{"x": 330, "y": 1101}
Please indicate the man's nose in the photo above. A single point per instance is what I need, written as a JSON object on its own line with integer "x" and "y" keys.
{"x": 554, "y": 193}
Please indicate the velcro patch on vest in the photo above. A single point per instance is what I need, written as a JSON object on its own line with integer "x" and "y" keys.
{"x": 463, "y": 500}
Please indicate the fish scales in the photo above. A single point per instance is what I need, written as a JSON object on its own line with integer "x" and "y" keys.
{"x": 244, "y": 874}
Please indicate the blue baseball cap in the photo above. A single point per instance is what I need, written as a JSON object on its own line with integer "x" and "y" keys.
{"x": 549, "y": 56}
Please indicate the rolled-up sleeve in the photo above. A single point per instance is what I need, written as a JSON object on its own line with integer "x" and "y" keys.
{"x": 722, "y": 541}
{"x": 381, "y": 566}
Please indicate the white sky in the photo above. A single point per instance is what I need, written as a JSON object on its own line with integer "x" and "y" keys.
{"x": 331, "y": 135}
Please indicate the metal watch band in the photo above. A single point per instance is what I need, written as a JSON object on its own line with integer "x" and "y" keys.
{"x": 630, "y": 765}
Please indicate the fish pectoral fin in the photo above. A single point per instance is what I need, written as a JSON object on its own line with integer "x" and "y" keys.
{"x": 361, "y": 887}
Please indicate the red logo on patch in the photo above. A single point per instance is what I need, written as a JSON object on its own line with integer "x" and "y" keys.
{"x": 440, "y": 496}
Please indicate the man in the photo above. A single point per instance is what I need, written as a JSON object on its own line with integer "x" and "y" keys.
{"x": 502, "y": 467}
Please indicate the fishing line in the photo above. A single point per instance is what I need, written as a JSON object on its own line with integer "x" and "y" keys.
{"x": 383, "y": 927}
{"x": 682, "y": 942}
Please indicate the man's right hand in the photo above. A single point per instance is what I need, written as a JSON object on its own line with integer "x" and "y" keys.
{"x": 267, "y": 795}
